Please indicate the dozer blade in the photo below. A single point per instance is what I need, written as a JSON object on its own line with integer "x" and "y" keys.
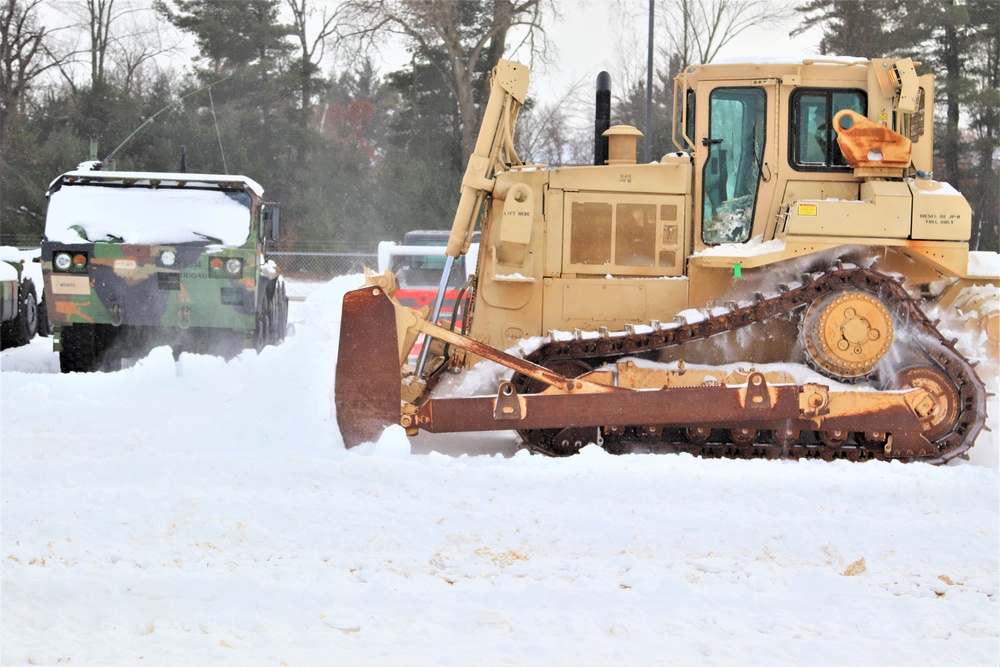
{"x": 367, "y": 382}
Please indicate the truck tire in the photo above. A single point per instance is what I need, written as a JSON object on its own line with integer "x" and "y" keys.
{"x": 22, "y": 328}
{"x": 77, "y": 353}
{"x": 262, "y": 332}
{"x": 44, "y": 325}
{"x": 280, "y": 321}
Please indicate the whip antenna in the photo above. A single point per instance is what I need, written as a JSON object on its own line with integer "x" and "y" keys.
{"x": 225, "y": 168}
{"x": 150, "y": 119}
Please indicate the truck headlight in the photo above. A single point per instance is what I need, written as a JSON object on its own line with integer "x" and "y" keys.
{"x": 63, "y": 261}
{"x": 168, "y": 257}
{"x": 234, "y": 266}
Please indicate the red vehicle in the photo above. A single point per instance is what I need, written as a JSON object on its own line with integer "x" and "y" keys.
{"x": 418, "y": 264}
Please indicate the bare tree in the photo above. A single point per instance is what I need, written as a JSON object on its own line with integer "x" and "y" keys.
{"x": 23, "y": 55}
{"x": 99, "y": 16}
{"x": 311, "y": 38}
{"x": 552, "y": 133}
{"x": 141, "y": 40}
{"x": 438, "y": 34}
{"x": 114, "y": 39}
{"x": 697, "y": 30}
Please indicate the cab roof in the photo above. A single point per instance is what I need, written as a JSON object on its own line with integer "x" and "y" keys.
{"x": 161, "y": 179}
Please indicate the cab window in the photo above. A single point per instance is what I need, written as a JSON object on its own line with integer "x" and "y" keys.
{"x": 812, "y": 139}
{"x": 731, "y": 175}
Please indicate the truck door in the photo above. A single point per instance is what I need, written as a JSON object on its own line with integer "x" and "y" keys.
{"x": 732, "y": 159}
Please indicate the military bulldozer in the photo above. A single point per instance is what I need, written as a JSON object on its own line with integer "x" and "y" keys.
{"x": 135, "y": 260}
{"x": 762, "y": 292}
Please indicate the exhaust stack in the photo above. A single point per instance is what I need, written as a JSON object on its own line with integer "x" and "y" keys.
{"x": 602, "y": 118}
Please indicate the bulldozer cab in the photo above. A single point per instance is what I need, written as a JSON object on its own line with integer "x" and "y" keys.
{"x": 762, "y": 136}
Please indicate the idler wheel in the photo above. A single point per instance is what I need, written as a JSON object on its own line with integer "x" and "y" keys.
{"x": 846, "y": 333}
{"x": 940, "y": 415}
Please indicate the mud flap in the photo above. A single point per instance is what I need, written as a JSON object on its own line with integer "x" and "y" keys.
{"x": 366, "y": 390}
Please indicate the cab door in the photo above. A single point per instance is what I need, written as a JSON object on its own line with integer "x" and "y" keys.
{"x": 735, "y": 159}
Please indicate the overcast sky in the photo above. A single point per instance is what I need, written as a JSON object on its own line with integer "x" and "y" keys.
{"x": 611, "y": 35}
{"x": 589, "y": 36}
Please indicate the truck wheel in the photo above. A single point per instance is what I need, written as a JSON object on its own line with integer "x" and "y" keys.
{"x": 23, "y": 327}
{"x": 77, "y": 352}
{"x": 281, "y": 319}
{"x": 44, "y": 325}
{"x": 110, "y": 346}
{"x": 262, "y": 332}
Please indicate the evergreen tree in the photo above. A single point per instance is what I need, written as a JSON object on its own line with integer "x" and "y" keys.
{"x": 862, "y": 28}
{"x": 462, "y": 40}
{"x": 420, "y": 160}
{"x": 984, "y": 119}
{"x": 338, "y": 193}
{"x": 248, "y": 122}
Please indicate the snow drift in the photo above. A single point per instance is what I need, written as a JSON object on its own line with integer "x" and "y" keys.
{"x": 204, "y": 512}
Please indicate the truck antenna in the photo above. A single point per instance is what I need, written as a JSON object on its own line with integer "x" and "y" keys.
{"x": 150, "y": 119}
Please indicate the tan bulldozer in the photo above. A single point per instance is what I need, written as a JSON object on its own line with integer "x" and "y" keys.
{"x": 762, "y": 292}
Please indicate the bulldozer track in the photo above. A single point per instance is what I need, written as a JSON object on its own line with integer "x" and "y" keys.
{"x": 923, "y": 347}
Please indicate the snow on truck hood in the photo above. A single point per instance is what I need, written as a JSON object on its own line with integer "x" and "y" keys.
{"x": 78, "y": 214}
{"x": 7, "y": 272}
{"x": 146, "y": 215}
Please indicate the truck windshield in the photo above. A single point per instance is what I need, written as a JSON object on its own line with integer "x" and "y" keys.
{"x": 424, "y": 271}
{"x": 147, "y": 216}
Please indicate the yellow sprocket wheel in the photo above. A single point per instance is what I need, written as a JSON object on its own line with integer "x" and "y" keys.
{"x": 847, "y": 333}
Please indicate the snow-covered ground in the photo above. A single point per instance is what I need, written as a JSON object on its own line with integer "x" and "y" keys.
{"x": 205, "y": 513}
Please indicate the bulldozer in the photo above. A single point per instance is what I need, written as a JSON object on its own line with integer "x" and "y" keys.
{"x": 761, "y": 292}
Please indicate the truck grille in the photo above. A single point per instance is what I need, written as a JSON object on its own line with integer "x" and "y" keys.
{"x": 168, "y": 281}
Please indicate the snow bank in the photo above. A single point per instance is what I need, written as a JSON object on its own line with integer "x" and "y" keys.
{"x": 984, "y": 264}
{"x": 200, "y": 512}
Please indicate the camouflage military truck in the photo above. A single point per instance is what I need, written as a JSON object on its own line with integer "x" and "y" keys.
{"x": 19, "y": 313}
{"x": 135, "y": 260}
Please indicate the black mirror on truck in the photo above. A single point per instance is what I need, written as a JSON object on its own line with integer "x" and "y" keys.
{"x": 272, "y": 212}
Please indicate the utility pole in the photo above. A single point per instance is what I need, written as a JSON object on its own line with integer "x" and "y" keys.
{"x": 649, "y": 87}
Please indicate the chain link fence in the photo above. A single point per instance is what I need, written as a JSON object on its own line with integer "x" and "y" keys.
{"x": 305, "y": 271}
